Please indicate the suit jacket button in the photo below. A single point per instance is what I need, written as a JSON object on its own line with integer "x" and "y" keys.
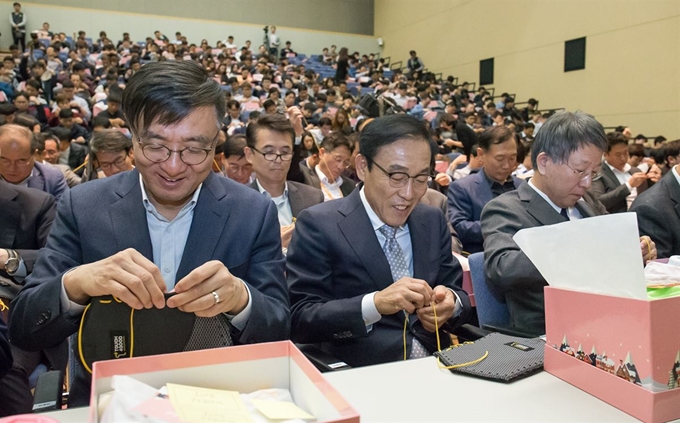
{"x": 47, "y": 314}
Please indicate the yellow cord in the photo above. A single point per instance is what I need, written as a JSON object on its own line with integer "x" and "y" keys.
{"x": 439, "y": 346}
{"x": 3, "y": 306}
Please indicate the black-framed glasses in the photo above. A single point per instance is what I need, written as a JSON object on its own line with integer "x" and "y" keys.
{"x": 399, "y": 179}
{"x": 119, "y": 163}
{"x": 272, "y": 157}
{"x": 158, "y": 153}
{"x": 583, "y": 175}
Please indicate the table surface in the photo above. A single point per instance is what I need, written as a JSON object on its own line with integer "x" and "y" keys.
{"x": 419, "y": 391}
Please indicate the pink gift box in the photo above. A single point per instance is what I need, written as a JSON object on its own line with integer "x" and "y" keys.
{"x": 243, "y": 368}
{"x": 624, "y": 351}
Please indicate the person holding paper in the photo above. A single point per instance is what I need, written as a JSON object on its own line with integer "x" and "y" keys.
{"x": 566, "y": 156}
{"x": 361, "y": 267}
{"x": 170, "y": 225}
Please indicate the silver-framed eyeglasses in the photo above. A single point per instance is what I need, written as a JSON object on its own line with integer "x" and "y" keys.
{"x": 399, "y": 179}
{"x": 272, "y": 157}
{"x": 583, "y": 175}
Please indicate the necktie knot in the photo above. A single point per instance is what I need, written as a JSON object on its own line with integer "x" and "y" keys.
{"x": 388, "y": 231}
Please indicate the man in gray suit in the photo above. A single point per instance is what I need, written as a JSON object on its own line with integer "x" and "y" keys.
{"x": 18, "y": 166}
{"x": 334, "y": 157}
{"x": 270, "y": 150}
{"x": 566, "y": 155}
{"x": 620, "y": 182}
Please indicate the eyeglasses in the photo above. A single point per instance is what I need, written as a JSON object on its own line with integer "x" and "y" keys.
{"x": 118, "y": 163}
{"x": 272, "y": 157}
{"x": 583, "y": 175}
{"x": 340, "y": 160}
{"x": 399, "y": 179}
{"x": 18, "y": 163}
{"x": 191, "y": 156}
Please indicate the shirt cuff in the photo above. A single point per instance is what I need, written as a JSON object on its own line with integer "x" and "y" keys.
{"x": 298, "y": 139}
{"x": 369, "y": 312}
{"x": 458, "y": 308}
{"x": 239, "y": 320}
{"x": 630, "y": 188}
{"x": 71, "y": 308}
{"x": 21, "y": 272}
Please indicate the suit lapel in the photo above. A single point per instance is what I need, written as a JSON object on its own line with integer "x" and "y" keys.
{"x": 484, "y": 191}
{"x": 209, "y": 217}
{"x": 537, "y": 206}
{"x": 37, "y": 181}
{"x": 355, "y": 227}
{"x": 609, "y": 176}
{"x": 10, "y": 215}
{"x": 294, "y": 199}
{"x": 128, "y": 216}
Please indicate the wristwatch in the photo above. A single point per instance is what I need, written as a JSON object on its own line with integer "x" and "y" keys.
{"x": 12, "y": 263}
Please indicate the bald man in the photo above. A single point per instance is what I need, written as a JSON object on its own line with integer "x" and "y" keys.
{"x": 18, "y": 166}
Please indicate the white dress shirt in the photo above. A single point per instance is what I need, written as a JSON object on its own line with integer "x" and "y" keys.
{"x": 331, "y": 190}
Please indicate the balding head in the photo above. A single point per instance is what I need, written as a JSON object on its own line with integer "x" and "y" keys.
{"x": 16, "y": 157}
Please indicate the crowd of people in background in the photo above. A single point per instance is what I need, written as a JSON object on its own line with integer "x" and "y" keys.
{"x": 60, "y": 106}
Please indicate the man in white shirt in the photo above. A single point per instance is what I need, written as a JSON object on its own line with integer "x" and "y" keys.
{"x": 334, "y": 156}
{"x": 566, "y": 156}
{"x": 620, "y": 182}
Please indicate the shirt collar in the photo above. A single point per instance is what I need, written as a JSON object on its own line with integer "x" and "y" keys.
{"x": 626, "y": 168}
{"x": 324, "y": 178}
{"x": 264, "y": 191}
{"x": 491, "y": 180}
{"x": 675, "y": 173}
{"x": 372, "y": 216}
{"x": 544, "y": 196}
{"x": 152, "y": 209}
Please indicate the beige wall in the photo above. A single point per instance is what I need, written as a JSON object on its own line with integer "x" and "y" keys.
{"x": 72, "y": 19}
{"x": 632, "y": 74}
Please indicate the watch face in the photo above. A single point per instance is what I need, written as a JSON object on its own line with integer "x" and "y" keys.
{"x": 12, "y": 265}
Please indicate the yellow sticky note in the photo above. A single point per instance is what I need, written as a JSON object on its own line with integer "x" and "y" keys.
{"x": 280, "y": 410}
{"x": 202, "y": 405}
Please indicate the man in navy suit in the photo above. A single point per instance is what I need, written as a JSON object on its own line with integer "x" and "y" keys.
{"x": 18, "y": 166}
{"x": 270, "y": 150}
{"x": 361, "y": 267}
{"x": 468, "y": 196}
{"x": 170, "y": 225}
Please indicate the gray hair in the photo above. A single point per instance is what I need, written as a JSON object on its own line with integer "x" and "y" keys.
{"x": 564, "y": 133}
{"x": 110, "y": 140}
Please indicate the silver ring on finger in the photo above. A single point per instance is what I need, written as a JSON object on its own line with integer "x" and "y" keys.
{"x": 216, "y": 296}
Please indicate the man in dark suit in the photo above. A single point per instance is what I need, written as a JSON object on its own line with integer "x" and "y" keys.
{"x": 362, "y": 267}
{"x": 334, "y": 156}
{"x": 566, "y": 155}
{"x": 26, "y": 215}
{"x": 170, "y": 225}
{"x": 270, "y": 150}
{"x": 620, "y": 183}
{"x": 18, "y": 166}
{"x": 658, "y": 213}
{"x": 468, "y": 196}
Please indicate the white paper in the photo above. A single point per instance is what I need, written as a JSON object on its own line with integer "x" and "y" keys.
{"x": 599, "y": 255}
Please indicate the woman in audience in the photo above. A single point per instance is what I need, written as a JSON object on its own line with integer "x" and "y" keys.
{"x": 307, "y": 145}
{"x": 342, "y": 68}
{"x": 341, "y": 122}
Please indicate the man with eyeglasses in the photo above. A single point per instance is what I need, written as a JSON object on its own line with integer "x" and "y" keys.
{"x": 18, "y": 165}
{"x": 270, "y": 150}
{"x": 334, "y": 156}
{"x": 169, "y": 233}
{"x": 566, "y": 155}
{"x": 111, "y": 152}
{"x": 365, "y": 271}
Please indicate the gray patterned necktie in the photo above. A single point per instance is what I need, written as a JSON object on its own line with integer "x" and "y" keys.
{"x": 399, "y": 268}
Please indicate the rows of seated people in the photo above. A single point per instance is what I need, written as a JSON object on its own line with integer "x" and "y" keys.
{"x": 317, "y": 150}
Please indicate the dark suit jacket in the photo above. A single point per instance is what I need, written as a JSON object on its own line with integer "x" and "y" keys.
{"x": 334, "y": 259}
{"x": 26, "y": 215}
{"x": 509, "y": 271}
{"x": 310, "y": 177}
{"x": 612, "y": 193}
{"x": 245, "y": 239}
{"x": 49, "y": 179}
{"x": 300, "y": 196}
{"x": 467, "y": 136}
{"x": 658, "y": 214}
{"x": 77, "y": 156}
{"x": 5, "y": 351}
{"x": 467, "y": 197}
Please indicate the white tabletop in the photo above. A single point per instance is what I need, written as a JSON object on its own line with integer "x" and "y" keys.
{"x": 418, "y": 391}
